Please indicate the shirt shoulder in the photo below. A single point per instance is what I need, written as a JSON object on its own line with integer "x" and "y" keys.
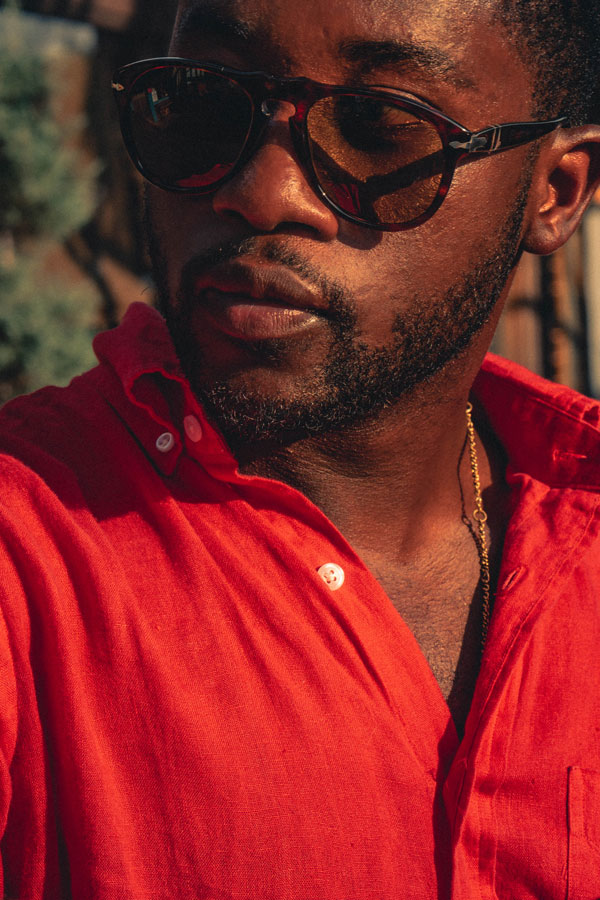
{"x": 53, "y": 430}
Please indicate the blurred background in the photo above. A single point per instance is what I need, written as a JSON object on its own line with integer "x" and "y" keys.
{"x": 72, "y": 253}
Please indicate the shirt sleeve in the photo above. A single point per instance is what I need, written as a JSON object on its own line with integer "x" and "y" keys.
{"x": 8, "y": 712}
{"x": 28, "y": 858}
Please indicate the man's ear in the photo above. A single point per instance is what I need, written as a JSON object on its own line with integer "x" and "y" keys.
{"x": 566, "y": 174}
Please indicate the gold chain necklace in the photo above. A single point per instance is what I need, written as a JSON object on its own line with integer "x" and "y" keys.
{"x": 480, "y": 517}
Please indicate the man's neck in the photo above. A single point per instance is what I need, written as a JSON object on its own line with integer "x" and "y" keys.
{"x": 392, "y": 484}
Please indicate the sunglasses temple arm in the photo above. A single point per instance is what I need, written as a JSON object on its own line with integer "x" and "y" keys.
{"x": 504, "y": 137}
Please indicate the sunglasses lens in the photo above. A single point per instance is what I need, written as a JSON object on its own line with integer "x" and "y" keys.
{"x": 188, "y": 126}
{"x": 375, "y": 160}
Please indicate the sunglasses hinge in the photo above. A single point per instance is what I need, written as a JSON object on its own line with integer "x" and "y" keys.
{"x": 486, "y": 141}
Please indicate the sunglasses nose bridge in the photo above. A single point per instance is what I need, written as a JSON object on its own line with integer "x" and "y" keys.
{"x": 282, "y": 108}
{"x": 268, "y": 107}
{"x": 274, "y": 106}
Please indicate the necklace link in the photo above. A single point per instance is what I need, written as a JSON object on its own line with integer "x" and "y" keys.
{"x": 480, "y": 516}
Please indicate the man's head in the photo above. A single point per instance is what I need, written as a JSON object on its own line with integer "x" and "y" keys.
{"x": 290, "y": 319}
{"x": 559, "y": 40}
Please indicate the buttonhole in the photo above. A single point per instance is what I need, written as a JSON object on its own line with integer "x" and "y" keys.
{"x": 512, "y": 578}
{"x": 567, "y": 454}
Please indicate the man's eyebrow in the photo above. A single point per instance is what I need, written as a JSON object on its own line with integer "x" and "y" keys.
{"x": 220, "y": 20}
{"x": 368, "y": 56}
{"x": 216, "y": 19}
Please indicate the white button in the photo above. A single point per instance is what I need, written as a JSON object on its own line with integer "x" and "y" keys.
{"x": 165, "y": 442}
{"x": 193, "y": 428}
{"x": 332, "y": 575}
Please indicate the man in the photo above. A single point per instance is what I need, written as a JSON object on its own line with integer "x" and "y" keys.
{"x": 259, "y": 639}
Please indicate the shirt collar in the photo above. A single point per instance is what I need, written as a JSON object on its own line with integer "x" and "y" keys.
{"x": 548, "y": 431}
{"x": 156, "y": 401}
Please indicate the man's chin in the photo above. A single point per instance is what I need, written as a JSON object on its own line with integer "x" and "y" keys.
{"x": 249, "y": 417}
{"x": 353, "y": 389}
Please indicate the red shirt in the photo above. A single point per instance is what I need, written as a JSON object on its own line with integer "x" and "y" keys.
{"x": 187, "y": 710}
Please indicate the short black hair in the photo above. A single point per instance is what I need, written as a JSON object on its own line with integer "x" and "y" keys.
{"x": 560, "y": 42}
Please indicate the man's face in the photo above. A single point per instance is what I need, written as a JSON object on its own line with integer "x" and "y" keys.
{"x": 288, "y": 319}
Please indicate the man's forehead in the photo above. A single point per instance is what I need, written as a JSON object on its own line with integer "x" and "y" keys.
{"x": 439, "y": 19}
{"x": 384, "y": 32}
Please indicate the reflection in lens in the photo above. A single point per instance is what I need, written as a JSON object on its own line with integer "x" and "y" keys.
{"x": 374, "y": 159}
{"x": 189, "y": 126}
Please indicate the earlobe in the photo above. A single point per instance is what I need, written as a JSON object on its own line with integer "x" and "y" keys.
{"x": 565, "y": 177}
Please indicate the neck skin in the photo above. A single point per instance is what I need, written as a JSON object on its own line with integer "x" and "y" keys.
{"x": 393, "y": 485}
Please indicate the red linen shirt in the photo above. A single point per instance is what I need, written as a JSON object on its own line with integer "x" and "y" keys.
{"x": 187, "y": 710}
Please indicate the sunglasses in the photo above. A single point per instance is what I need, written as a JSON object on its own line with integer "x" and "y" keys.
{"x": 375, "y": 157}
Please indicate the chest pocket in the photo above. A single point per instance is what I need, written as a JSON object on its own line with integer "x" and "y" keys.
{"x": 584, "y": 834}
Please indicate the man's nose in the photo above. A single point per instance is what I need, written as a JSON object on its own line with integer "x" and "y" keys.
{"x": 273, "y": 188}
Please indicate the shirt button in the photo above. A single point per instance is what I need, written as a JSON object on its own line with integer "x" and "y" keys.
{"x": 193, "y": 428}
{"x": 165, "y": 442}
{"x": 332, "y": 575}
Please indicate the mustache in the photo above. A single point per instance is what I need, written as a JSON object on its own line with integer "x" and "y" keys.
{"x": 339, "y": 304}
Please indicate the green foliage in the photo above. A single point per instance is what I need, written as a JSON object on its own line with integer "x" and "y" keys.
{"x": 44, "y": 185}
{"x": 46, "y": 328}
{"x": 41, "y": 193}
{"x": 47, "y": 191}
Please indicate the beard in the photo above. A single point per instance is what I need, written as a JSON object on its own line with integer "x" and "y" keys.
{"x": 356, "y": 382}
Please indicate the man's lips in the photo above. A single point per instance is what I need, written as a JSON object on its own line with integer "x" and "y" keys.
{"x": 256, "y": 302}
